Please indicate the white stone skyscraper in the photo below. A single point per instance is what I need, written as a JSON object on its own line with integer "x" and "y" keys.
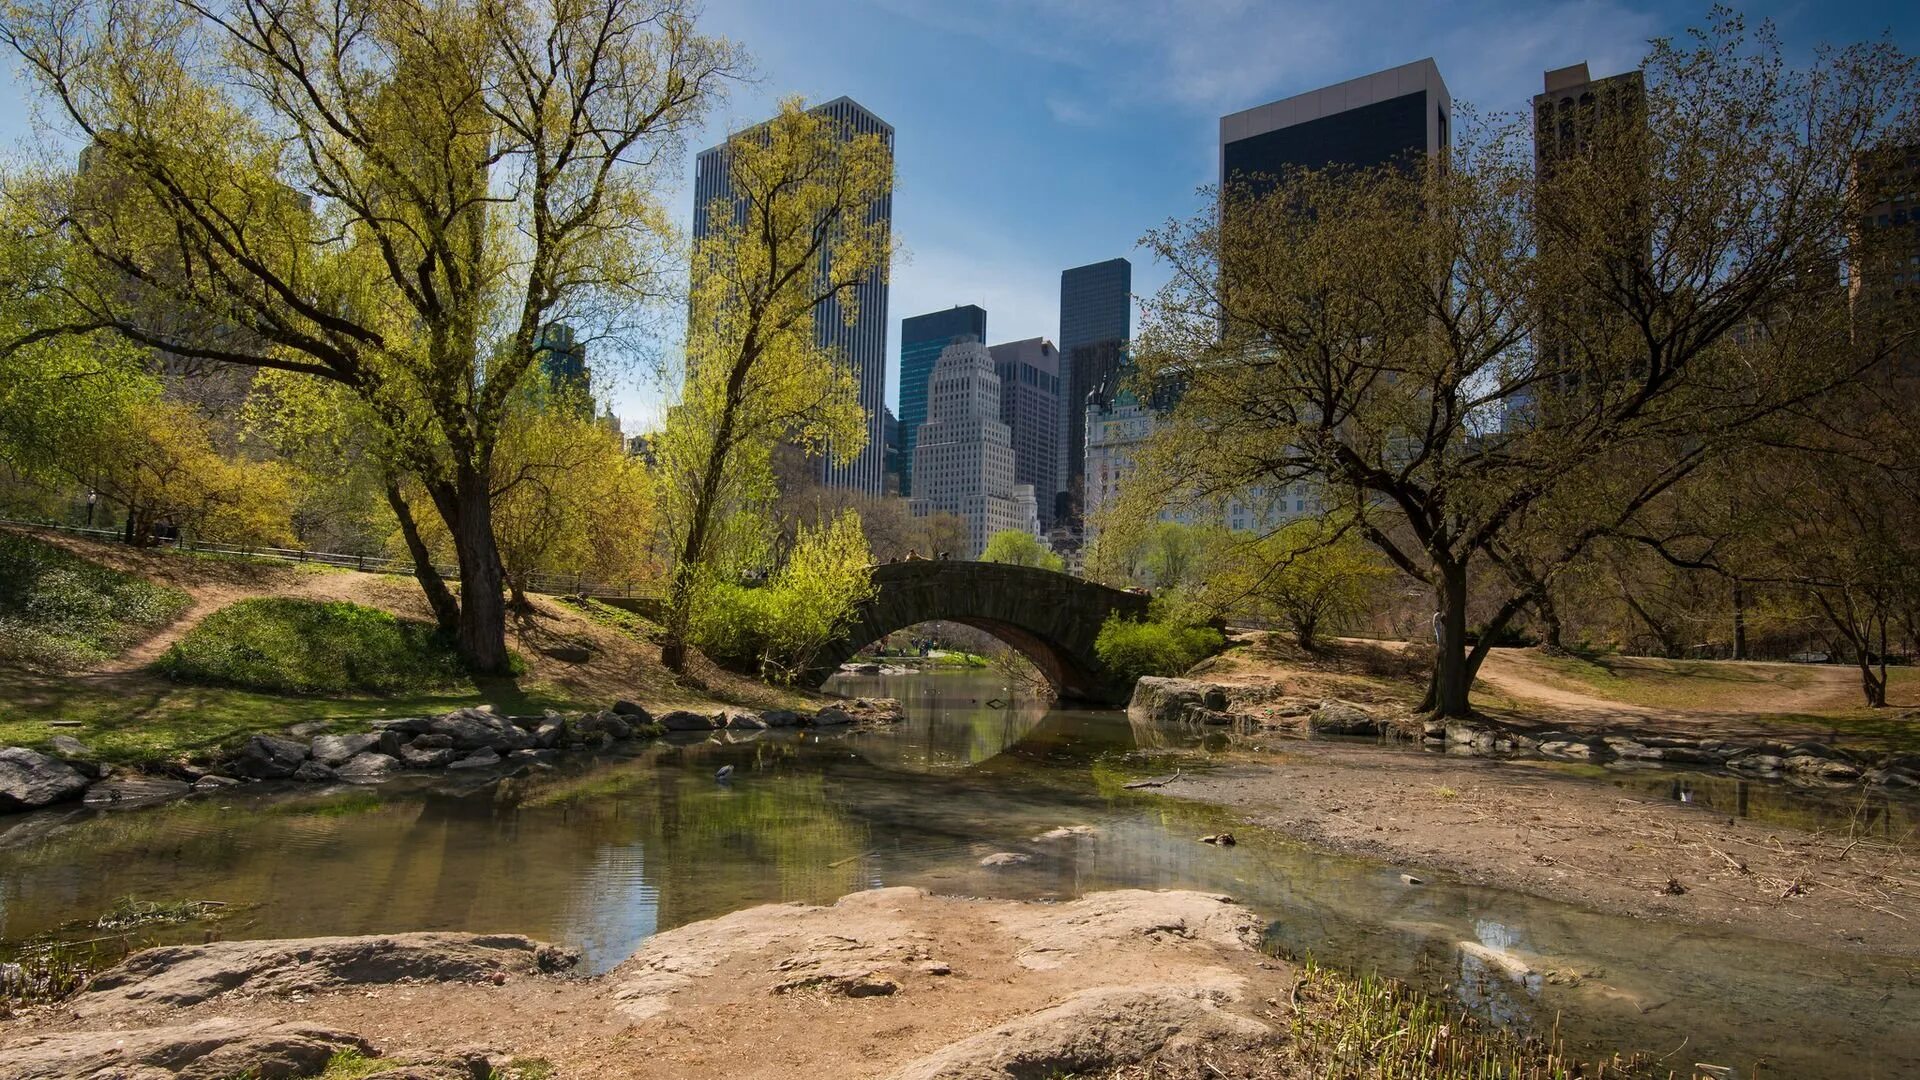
{"x": 862, "y": 343}
{"x": 963, "y": 458}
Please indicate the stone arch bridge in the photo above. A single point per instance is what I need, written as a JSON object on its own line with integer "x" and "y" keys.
{"x": 1051, "y": 618}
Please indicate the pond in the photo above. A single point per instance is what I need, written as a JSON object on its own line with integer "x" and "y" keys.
{"x": 606, "y": 849}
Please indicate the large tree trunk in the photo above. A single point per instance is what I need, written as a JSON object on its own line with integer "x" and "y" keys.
{"x": 446, "y": 609}
{"x": 1550, "y": 619}
{"x": 467, "y": 507}
{"x": 1452, "y": 678}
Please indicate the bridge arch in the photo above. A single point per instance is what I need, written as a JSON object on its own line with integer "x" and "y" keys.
{"x": 1051, "y": 618}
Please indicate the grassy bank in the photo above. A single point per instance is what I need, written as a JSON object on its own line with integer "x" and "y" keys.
{"x": 289, "y": 646}
{"x": 60, "y": 612}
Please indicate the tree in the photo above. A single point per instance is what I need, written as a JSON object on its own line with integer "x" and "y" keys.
{"x": 792, "y": 243}
{"x": 157, "y": 459}
{"x": 394, "y": 196}
{"x": 780, "y": 627}
{"x": 1311, "y": 573}
{"x": 1481, "y": 362}
{"x": 1020, "y": 548}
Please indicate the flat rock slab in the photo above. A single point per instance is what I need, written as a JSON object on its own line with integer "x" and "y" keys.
{"x": 180, "y": 975}
{"x": 30, "y": 779}
{"x": 1090, "y": 1031}
{"x": 210, "y": 1050}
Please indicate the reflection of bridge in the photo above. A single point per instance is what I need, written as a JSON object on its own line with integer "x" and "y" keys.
{"x": 1051, "y": 618}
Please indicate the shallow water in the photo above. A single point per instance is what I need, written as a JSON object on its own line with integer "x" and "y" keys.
{"x": 606, "y": 849}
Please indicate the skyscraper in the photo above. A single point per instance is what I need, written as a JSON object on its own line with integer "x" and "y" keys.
{"x": 1392, "y": 116}
{"x": 862, "y": 344}
{"x": 963, "y": 458}
{"x": 1096, "y": 320}
{"x": 1030, "y": 407}
{"x": 922, "y": 337}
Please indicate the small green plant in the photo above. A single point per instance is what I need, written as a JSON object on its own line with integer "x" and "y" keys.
{"x": 59, "y": 612}
{"x": 351, "y": 1064}
{"x": 128, "y": 913}
{"x": 1446, "y": 792}
{"x": 1132, "y": 649}
{"x": 288, "y": 646}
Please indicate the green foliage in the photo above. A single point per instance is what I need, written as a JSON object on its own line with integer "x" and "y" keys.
{"x": 780, "y": 627}
{"x": 1155, "y": 647}
{"x": 293, "y": 646}
{"x": 1314, "y": 574}
{"x": 1020, "y": 548}
{"x": 60, "y": 612}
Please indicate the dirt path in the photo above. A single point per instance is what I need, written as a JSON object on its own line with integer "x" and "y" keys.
{"x": 211, "y": 597}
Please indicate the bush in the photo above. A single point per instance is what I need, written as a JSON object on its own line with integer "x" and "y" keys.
{"x": 289, "y": 646}
{"x": 1133, "y": 649}
{"x": 59, "y": 611}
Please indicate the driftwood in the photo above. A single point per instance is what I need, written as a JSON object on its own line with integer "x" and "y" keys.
{"x": 1153, "y": 783}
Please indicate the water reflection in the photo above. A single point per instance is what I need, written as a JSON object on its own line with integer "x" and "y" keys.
{"x": 603, "y": 851}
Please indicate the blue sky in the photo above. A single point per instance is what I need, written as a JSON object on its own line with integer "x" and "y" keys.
{"x": 1034, "y": 135}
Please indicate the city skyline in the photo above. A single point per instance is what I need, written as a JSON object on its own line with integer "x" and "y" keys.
{"x": 1076, "y": 129}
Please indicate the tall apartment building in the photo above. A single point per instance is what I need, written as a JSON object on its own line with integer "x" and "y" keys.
{"x": 861, "y": 344}
{"x": 1096, "y": 323}
{"x": 1392, "y": 116}
{"x": 922, "y": 337}
{"x": 963, "y": 458}
{"x": 1884, "y": 272}
{"x": 1029, "y": 373}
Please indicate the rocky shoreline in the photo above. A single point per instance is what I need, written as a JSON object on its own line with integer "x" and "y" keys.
{"x": 472, "y": 738}
{"x": 890, "y": 983}
{"x": 1252, "y": 709}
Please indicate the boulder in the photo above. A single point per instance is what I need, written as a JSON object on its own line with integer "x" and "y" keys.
{"x": 479, "y": 759}
{"x": 480, "y": 729}
{"x": 331, "y": 750}
{"x": 209, "y": 1050}
{"x": 610, "y": 724}
{"x": 69, "y": 747}
{"x": 392, "y": 741}
{"x": 135, "y": 790}
{"x": 1343, "y": 718}
{"x": 312, "y": 772}
{"x": 780, "y": 718}
{"x": 1002, "y": 859}
{"x": 1566, "y": 749}
{"x": 175, "y": 976}
{"x": 533, "y": 757}
{"x": 634, "y": 713}
{"x": 884, "y": 710}
{"x": 1164, "y": 700}
{"x": 743, "y": 721}
{"x": 30, "y": 780}
{"x": 1214, "y": 698}
{"x": 550, "y": 734}
{"x": 269, "y": 757}
{"x": 1823, "y": 767}
{"x": 682, "y": 720}
{"x": 405, "y": 725}
{"x": 432, "y": 742}
{"x": 366, "y": 767}
{"x": 214, "y": 782}
{"x": 437, "y": 757}
{"x": 1090, "y": 1032}
{"x": 832, "y": 716}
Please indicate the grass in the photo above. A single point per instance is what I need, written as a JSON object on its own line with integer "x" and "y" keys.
{"x": 53, "y": 966}
{"x": 59, "y": 612}
{"x": 289, "y": 646}
{"x": 1670, "y": 684}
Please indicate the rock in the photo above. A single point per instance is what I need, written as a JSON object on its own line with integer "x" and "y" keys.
{"x": 1224, "y": 839}
{"x": 533, "y": 757}
{"x": 331, "y": 750}
{"x": 306, "y": 729}
{"x": 1562, "y": 749}
{"x": 883, "y": 710}
{"x": 1757, "y": 762}
{"x": 633, "y": 712}
{"x": 550, "y": 734}
{"x": 134, "y": 790}
{"x": 1823, "y": 767}
{"x": 843, "y": 984}
{"x": 1163, "y": 700}
{"x": 269, "y": 757}
{"x": 744, "y": 721}
{"x": 312, "y": 772}
{"x": 432, "y": 742}
{"x": 209, "y": 1050}
{"x": 1513, "y": 967}
{"x": 1343, "y": 718}
{"x": 611, "y": 725}
{"x": 480, "y": 729}
{"x": 366, "y": 767}
{"x": 775, "y": 718}
{"x": 438, "y": 757}
{"x": 405, "y": 725}
{"x": 832, "y": 716}
{"x": 392, "y": 741}
{"x": 1067, "y": 832}
{"x": 1469, "y": 735}
{"x": 479, "y": 759}
{"x": 1409, "y": 879}
{"x": 1090, "y": 1032}
{"x": 30, "y": 780}
{"x": 175, "y": 976}
{"x": 215, "y": 782}
{"x": 682, "y": 720}
{"x": 1205, "y": 717}
{"x": 936, "y": 968}
{"x": 1001, "y": 859}
{"x": 69, "y": 747}
{"x": 1214, "y": 698}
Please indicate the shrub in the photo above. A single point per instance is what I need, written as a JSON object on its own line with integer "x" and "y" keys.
{"x": 1132, "y": 649}
{"x": 779, "y": 628}
{"x": 287, "y": 646}
{"x": 59, "y": 611}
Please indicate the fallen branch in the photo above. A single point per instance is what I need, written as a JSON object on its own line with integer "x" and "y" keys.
{"x": 1152, "y": 783}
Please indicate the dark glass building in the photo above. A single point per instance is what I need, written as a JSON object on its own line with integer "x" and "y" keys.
{"x": 921, "y": 339}
{"x": 862, "y": 345}
{"x": 1397, "y": 115}
{"x": 1096, "y": 322}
